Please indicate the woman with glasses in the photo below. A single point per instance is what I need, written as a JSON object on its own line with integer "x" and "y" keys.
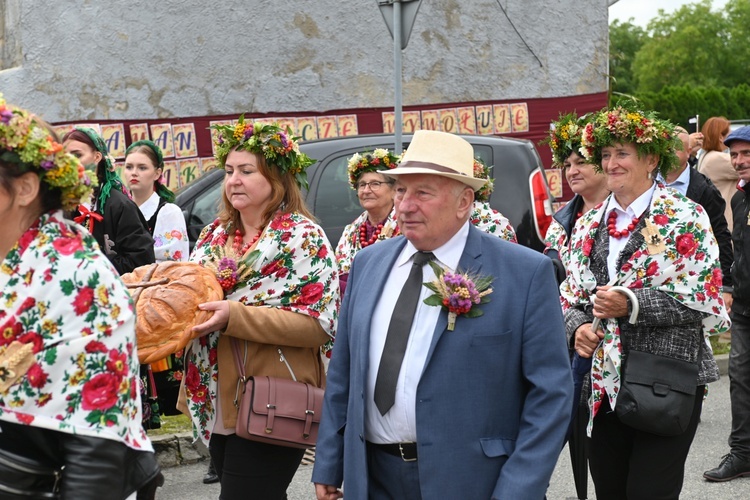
{"x": 375, "y": 193}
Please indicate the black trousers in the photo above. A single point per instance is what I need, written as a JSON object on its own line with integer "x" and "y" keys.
{"x": 628, "y": 464}
{"x": 249, "y": 470}
{"x": 739, "y": 385}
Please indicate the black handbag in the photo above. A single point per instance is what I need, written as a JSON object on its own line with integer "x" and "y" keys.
{"x": 25, "y": 477}
{"x": 657, "y": 394}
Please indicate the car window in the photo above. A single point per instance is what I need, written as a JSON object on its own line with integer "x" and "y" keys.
{"x": 336, "y": 203}
{"x": 204, "y": 210}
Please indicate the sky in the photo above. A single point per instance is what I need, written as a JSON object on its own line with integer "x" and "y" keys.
{"x": 642, "y": 11}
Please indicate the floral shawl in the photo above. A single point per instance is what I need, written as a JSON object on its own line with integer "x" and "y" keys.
{"x": 491, "y": 221}
{"x": 681, "y": 259}
{"x": 61, "y": 294}
{"x": 294, "y": 271}
{"x": 557, "y": 239}
{"x": 349, "y": 243}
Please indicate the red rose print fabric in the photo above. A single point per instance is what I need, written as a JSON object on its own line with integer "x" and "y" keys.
{"x": 61, "y": 295}
{"x": 687, "y": 269}
{"x": 349, "y": 243}
{"x": 294, "y": 271}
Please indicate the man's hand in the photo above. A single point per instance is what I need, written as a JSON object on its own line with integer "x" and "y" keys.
{"x": 728, "y": 299}
{"x": 696, "y": 143}
{"x": 327, "y": 492}
{"x": 586, "y": 340}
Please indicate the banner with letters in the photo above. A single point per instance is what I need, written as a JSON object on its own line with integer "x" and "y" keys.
{"x": 188, "y": 143}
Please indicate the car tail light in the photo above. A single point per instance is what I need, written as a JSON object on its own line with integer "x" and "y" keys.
{"x": 542, "y": 203}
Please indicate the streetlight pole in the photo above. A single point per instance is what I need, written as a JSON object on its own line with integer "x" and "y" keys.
{"x": 399, "y": 23}
{"x": 398, "y": 122}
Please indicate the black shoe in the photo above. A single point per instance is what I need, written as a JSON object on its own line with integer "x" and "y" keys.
{"x": 731, "y": 467}
{"x": 211, "y": 476}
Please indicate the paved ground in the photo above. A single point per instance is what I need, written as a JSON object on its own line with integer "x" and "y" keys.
{"x": 184, "y": 482}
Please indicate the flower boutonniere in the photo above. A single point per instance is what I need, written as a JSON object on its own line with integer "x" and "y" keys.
{"x": 231, "y": 268}
{"x": 459, "y": 293}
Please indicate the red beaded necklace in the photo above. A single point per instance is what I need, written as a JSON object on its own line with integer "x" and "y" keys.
{"x": 237, "y": 245}
{"x": 612, "y": 226}
{"x": 363, "y": 241}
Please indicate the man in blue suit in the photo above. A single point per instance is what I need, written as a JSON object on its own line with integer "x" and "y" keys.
{"x": 476, "y": 411}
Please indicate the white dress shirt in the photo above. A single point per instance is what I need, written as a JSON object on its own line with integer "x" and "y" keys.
{"x": 170, "y": 232}
{"x": 624, "y": 218}
{"x": 399, "y": 423}
{"x": 680, "y": 184}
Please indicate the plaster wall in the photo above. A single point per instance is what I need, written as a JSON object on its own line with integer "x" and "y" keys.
{"x": 96, "y": 59}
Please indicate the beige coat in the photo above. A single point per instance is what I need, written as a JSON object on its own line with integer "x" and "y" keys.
{"x": 265, "y": 329}
{"x": 718, "y": 167}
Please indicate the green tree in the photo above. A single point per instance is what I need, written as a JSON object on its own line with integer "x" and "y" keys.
{"x": 625, "y": 40}
{"x": 738, "y": 53}
{"x": 688, "y": 47}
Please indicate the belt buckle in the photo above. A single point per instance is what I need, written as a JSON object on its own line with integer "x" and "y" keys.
{"x": 401, "y": 450}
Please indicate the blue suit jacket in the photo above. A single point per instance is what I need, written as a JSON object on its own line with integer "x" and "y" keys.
{"x": 494, "y": 399}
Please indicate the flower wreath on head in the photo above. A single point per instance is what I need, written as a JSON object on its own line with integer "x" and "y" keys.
{"x": 565, "y": 137}
{"x": 27, "y": 143}
{"x": 625, "y": 123}
{"x": 358, "y": 164}
{"x": 482, "y": 171}
{"x": 276, "y": 145}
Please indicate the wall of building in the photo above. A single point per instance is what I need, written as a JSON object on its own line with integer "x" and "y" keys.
{"x": 90, "y": 60}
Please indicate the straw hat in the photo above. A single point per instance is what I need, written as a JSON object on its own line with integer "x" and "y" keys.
{"x": 439, "y": 153}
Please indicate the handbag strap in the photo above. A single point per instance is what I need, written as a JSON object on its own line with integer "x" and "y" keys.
{"x": 241, "y": 381}
{"x": 309, "y": 412}
{"x": 239, "y": 361}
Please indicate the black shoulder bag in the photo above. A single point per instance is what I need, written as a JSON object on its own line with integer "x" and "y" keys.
{"x": 657, "y": 393}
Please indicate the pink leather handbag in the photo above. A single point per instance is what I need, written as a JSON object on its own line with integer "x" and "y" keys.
{"x": 274, "y": 410}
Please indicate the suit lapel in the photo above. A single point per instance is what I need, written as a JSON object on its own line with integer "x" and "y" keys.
{"x": 470, "y": 262}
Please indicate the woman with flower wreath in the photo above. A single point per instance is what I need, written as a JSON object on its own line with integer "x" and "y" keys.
{"x": 110, "y": 215}
{"x": 483, "y": 216}
{"x": 375, "y": 193}
{"x": 143, "y": 170}
{"x": 657, "y": 243}
{"x": 67, "y": 352}
{"x": 281, "y": 288}
{"x": 590, "y": 188}
{"x": 588, "y": 183}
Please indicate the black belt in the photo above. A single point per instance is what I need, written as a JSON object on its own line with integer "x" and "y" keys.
{"x": 407, "y": 451}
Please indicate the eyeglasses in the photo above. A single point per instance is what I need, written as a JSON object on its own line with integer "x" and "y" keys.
{"x": 374, "y": 185}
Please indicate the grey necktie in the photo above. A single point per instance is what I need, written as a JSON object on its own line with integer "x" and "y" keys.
{"x": 398, "y": 334}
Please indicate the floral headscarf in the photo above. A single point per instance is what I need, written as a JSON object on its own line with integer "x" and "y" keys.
{"x": 293, "y": 271}
{"x": 686, "y": 268}
{"x": 66, "y": 300}
{"x": 111, "y": 179}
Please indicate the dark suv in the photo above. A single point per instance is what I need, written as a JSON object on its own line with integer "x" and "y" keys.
{"x": 521, "y": 192}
